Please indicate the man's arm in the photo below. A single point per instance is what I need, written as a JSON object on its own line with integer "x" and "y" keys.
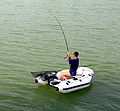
{"x": 68, "y": 56}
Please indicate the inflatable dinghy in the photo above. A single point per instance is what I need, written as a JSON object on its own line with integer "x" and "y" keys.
{"x": 82, "y": 79}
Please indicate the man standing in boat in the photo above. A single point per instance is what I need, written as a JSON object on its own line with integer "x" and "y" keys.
{"x": 74, "y": 63}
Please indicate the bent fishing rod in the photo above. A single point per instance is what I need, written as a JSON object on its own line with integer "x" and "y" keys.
{"x": 61, "y": 29}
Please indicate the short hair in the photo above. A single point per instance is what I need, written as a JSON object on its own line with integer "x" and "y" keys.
{"x": 76, "y": 54}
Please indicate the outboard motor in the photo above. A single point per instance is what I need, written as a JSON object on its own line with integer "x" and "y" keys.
{"x": 36, "y": 80}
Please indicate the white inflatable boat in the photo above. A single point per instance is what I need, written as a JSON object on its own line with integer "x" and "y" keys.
{"x": 82, "y": 80}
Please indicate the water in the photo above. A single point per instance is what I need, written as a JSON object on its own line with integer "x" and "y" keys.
{"x": 31, "y": 40}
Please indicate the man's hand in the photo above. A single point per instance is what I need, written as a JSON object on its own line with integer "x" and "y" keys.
{"x": 68, "y": 56}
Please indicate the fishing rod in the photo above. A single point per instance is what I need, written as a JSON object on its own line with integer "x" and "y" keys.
{"x": 61, "y": 29}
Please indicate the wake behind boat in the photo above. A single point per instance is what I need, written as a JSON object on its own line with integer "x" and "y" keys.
{"x": 82, "y": 79}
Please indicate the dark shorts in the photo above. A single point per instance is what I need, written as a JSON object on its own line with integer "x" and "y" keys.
{"x": 72, "y": 73}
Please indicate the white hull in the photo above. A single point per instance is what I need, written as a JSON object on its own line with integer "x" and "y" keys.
{"x": 82, "y": 80}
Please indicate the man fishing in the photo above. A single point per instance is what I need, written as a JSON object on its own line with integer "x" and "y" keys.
{"x": 74, "y": 63}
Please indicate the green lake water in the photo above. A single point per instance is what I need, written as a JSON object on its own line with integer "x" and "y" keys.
{"x": 31, "y": 40}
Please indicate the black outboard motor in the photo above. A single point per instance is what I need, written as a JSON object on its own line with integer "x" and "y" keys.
{"x": 45, "y": 75}
{"x": 36, "y": 80}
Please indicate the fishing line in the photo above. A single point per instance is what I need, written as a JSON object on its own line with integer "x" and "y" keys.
{"x": 61, "y": 29}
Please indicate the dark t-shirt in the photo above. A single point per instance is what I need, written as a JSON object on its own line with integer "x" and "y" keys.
{"x": 74, "y": 63}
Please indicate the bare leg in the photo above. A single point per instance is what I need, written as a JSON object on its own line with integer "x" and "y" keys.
{"x": 64, "y": 74}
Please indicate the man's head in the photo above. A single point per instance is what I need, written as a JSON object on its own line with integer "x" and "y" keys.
{"x": 76, "y": 54}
